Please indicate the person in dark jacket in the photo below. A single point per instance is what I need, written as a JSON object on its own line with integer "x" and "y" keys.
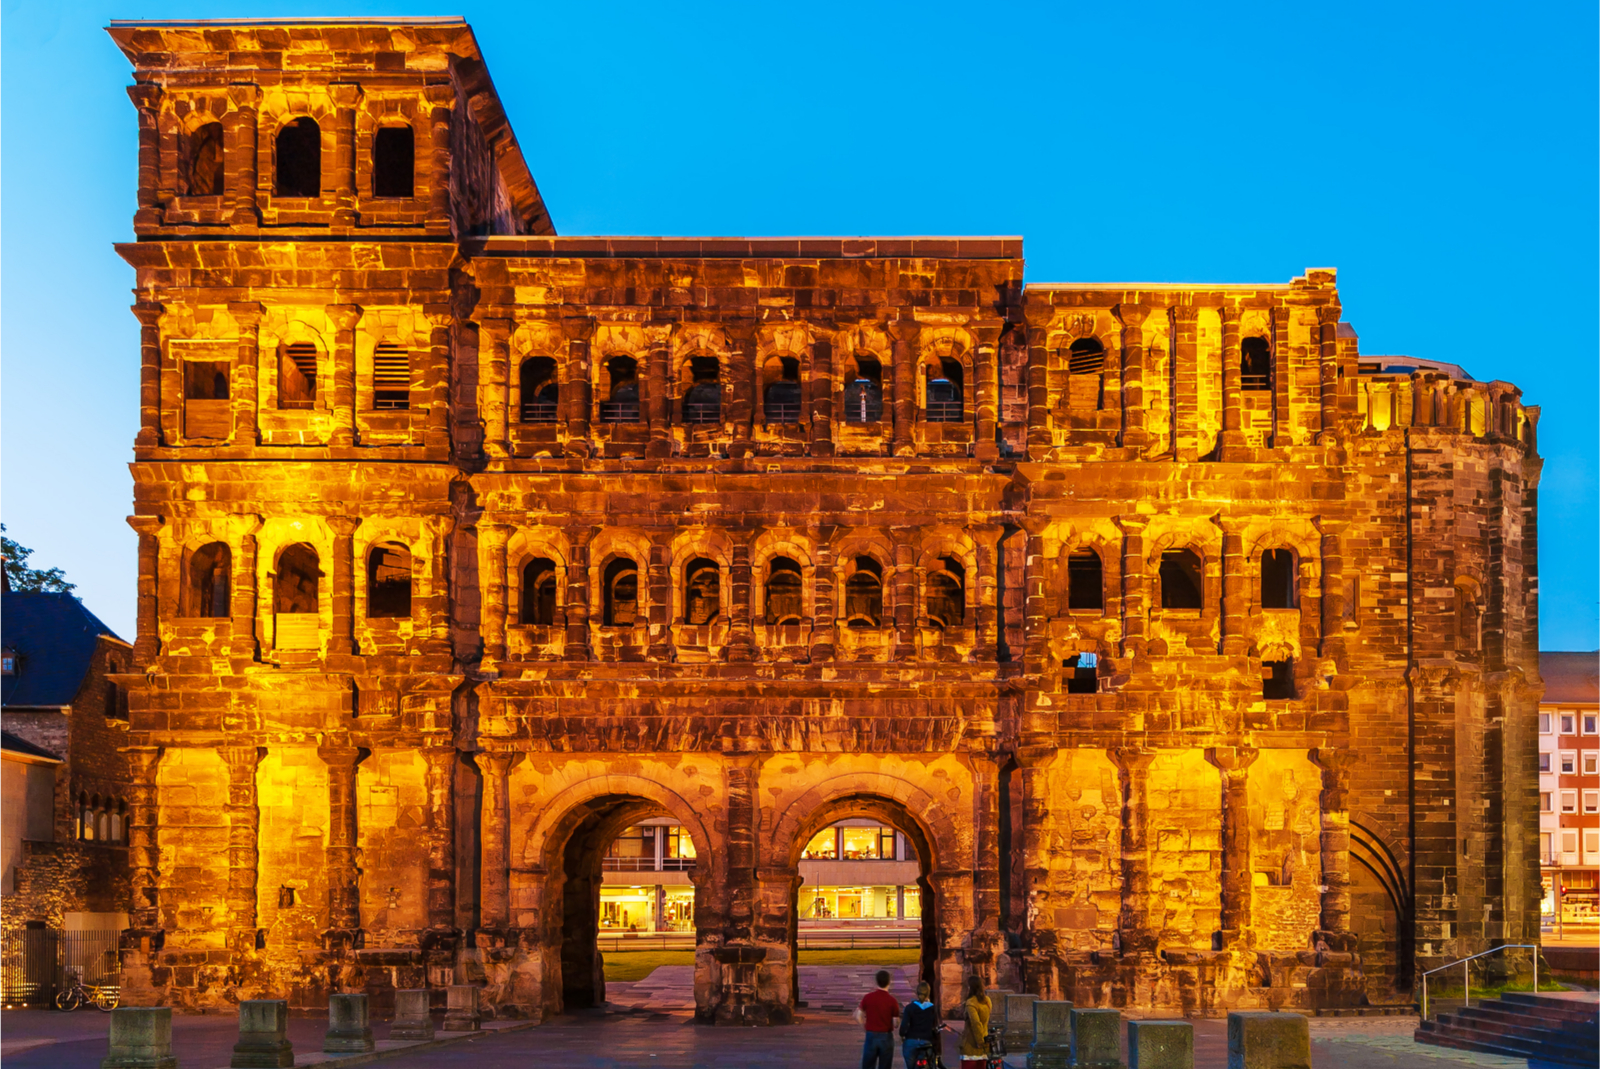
{"x": 919, "y": 1026}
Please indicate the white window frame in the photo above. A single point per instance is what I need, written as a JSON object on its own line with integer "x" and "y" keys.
{"x": 1545, "y": 723}
{"x": 1591, "y": 762}
{"x": 1568, "y": 765}
{"x": 1569, "y": 836}
{"x": 1547, "y": 802}
{"x": 1569, "y": 801}
{"x": 1591, "y": 801}
{"x": 1590, "y": 722}
{"x": 1544, "y": 761}
{"x": 1591, "y": 843}
{"x": 1569, "y": 723}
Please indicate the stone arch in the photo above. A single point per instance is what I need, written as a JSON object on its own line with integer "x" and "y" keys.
{"x": 796, "y": 547}
{"x": 936, "y": 546}
{"x": 287, "y": 334}
{"x": 525, "y": 546}
{"x": 696, "y": 543}
{"x": 273, "y": 123}
{"x": 1204, "y": 540}
{"x": 877, "y": 547}
{"x": 941, "y": 352}
{"x": 613, "y": 544}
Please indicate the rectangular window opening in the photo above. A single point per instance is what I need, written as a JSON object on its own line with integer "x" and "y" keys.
{"x": 391, "y": 379}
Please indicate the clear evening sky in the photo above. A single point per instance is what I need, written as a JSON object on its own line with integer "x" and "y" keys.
{"x": 1442, "y": 156}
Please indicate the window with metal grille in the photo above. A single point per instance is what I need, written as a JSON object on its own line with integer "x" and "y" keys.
{"x": 391, "y": 378}
{"x": 863, "y": 393}
{"x": 1086, "y": 368}
{"x": 944, "y": 401}
{"x": 297, "y": 376}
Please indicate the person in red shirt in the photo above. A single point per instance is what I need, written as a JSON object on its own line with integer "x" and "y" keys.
{"x": 877, "y": 1014}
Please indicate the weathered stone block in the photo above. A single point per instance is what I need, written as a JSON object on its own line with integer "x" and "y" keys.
{"x": 411, "y": 1017}
{"x": 348, "y": 1031}
{"x": 461, "y": 1008}
{"x": 1268, "y": 1041}
{"x": 141, "y": 1038}
{"x": 1017, "y": 1030}
{"x": 263, "y": 1035}
{"x": 1052, "y": 1036}
{"x": 1097, "y": 1039}
{"x": 1160, "y": 1045}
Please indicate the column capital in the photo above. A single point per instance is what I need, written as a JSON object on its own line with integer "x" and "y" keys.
{"x": 344, "y": 94}
{"x": 1131, "y": 524}
{"x": 244, "y": 95}
{"x": 1330, "y": 527}
{"x": 1231, "y": 525}
{"x": 240, "y": 755}
{"x": 1132, "y": 315}
{"x": 344, "y": 316}
{"x": 335, "y": 756}
{"x": 148, "y": 313}
{"x": 1233, "y": 760}
{"x": 903, "y": 330}
{"x": 1132, "y": 758}
{"x": 247, "y": 313}
{"x": 145, "y": 94}
{"x": 1335, "y": 763}
{"x": 344, "y": 526}
{"x": 439, "y": 316}
{"x": 1231, "y": 314}
{"x": 1329, "y": 313}
{"x": 440, "y": 95}
{"x": 146, "y": 525}
{"x": 497, "y": 761}
{"x": 1185, "y": 313}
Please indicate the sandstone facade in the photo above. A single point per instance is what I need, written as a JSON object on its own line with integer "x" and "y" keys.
{"x": 1195, "y": 655}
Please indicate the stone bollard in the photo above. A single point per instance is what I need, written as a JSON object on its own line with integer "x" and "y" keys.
{"x": 1096, "y": 1039}
{"x": 1268, "y": 1041}
{"x": 1160, "y": 1045}
{"x": 1052, "y": 1036}
{"x": 348, "y": 1032}
{"x": 461, "y": 1009}
{"x": 141, "y": 1038}
{"x": 411, "y": 1017}
{"x": 1017, "y": 1030}
{"x": 263, "y": 1036}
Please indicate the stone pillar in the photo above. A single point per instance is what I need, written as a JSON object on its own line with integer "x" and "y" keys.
{"x": 1328, "y": 364}
{"x": 985, "y": 370}
{"x": 741, "y": 638}
{"x": 1135, "y": 428}
{"x": 345, "y": 96}
{"x": 243, "y": 155}
{"x": 348, "y": 1030}
{"x": 1186, "y": 381}
{"x": 441, "y": 98}
{"x": 1133, "y": 775}
{"x": 412, "y": 1019}
{"x": 147, "y": 98}
{"x": 904, "y": 406}
{"x": 738, "y": 406}
{"x": 461, "y": 1008}
{"x": 984, "y": 602}
{"x": 988, "y": 941}
{"x": 577, "y": 606}
{"x": 1282, "y": 378}
{"x": 1333, "y": 590}
{"x": 821, "y": 388}
{"x": 1234, "y": 762}
{"x": 1269, "y": 1040}
{"x": 344, "y": 878}
{"x": 1135, "y": 585}
{"x": 494, "y": 894}
{"x": 659, "y": 576}
{"x": 905, "y": 593}
{"x": 441, "y": 780}
{"x": 1335, "y": 764}
{"x": 436, "y": 376}
{"x": 141, "y": 1038}
{"x": 263, "y": 1035}
{"x": 1161, "y": 1043}
{"x": 579, "y": 390}
{"x": 436, "y": 640}
{"x": 494, "y": 371}
{"x": 657, "y": 391}
{"x": 244, "y": 819}
{"x": 824, "y": 595}
{"x": 744, "y": 818}
{"x": 1232, "y": 439}
{"x": 1035, "y": 599}
{"x": 1235, "y": 588}
{"x": 492, "y": 540}
{"x": 144, "y": 853}
{"x": 147, "y": 643}
{"x": 341, "y": 642}
{"x": 246, "y": 388}
{"x": 343, "y": 409}
{"x": 149, "y": 315}
{"x": 243, "y": 590}
{"x": 1096, "y": 1039}
{"x": 1033, "y": 764}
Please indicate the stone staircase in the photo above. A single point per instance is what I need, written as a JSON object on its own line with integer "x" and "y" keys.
{"x": 1546, "y": 1030}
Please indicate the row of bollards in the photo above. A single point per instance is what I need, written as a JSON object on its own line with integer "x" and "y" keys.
{"x": 141, "y": 1036}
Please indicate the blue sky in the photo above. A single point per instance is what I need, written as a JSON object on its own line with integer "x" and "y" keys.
{"x": 1442, "y": 156}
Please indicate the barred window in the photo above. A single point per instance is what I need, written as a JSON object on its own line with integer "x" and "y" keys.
{"x": 391, "y": 378}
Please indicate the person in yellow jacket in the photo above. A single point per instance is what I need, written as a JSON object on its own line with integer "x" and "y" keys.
{"x": 974, "y": 1041}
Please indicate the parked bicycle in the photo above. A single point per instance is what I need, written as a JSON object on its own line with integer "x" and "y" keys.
{"x": 104, "y": 997}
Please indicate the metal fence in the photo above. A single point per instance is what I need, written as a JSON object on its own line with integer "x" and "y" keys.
{"x": 35, "y": 963}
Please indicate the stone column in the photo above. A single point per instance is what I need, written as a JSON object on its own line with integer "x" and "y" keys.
{"x": 344, "y": 878}
{"x": 492, "y": 540}
{"x": 147, "y": 643}
{"x": 1282, "y": 378}
{"x": 1040, "y": 439}
{"x": 144, "y": 853}
{"x": 656, "y": 388}
{"x": 738, "y": 406}
{"x": 244, "y": 819}
{"x": 243, "y": 591}
{"x": 436, "y": 377}
{"x": 744, "y": 818}
{"x": 577, "y": 606}
{"x": 440, "y": 98}
{"x": 1036, "y": 573}
{"x": 741, "y": 637}
{"x": 1133, "y": 776}
{"x": 824, "y": 595}
{"x": 984, "y": 602}
{"x": 441, "y": 774}
{"x": 905, "y": 593}
{"x": 1033, "y": 763}
{"x": 147, "y": 98}
{"x": 985, "y": 370}
{"x": 494, "y": 895}
{"x": 1186, "y": 381}
{"x": 1234, "y": 762}
{"x": 1328, "y": 364}
{"x": 242, "y": 154}
{"x": 343, "y": 409}
{"x": 904, "y": 406}
{"x": 1235, "y": 587}
{"x": 987, "y": 872}
{"x": 247, "y": 373}
{"x": 494, "y": 378}
{"x": 1335, "y": 764}
{"x": 580, "y": 379}
{"x": 1333, "y": 589}
{"x": 345, "y": 96}
{"x": 1135, "y": 428}
{"x": 821, "y": 388}
{"x": 1135, "y": 585}
{"x": 1232, "y": 439}
{"x": 659, "y": 577}
{"x": 149, "y": 315}
{"x": 342, "y": 640}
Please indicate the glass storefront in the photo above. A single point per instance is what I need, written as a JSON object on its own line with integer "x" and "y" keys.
{"x": 678, "y": 910}
{"x": 627, "y": 909}
{"x": 860, "y": 903}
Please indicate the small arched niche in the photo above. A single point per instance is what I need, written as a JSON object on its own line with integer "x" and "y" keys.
{"x": 299, "y": 159}
{"x": 541, "y": 393}
{"x": 539, "y": 592}
{"x": 620, "y": 593}
{"x": 863, "y": 595}
{"x": 946, "y": 594}
{"x": 702, "y": 591}
{"x": 1182, "y": 580}
{"x": 1278, "y": 579}
{"x": 784, "y": 592}
{"x": 205, "y": 590}
{"x": 389, "y": 581}
{"x": 863, "y": 391}
{"x": 621, "y": 404}
{"x": 202, "y": 162}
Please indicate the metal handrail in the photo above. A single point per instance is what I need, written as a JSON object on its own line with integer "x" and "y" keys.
{"x": 1466, "y": 971}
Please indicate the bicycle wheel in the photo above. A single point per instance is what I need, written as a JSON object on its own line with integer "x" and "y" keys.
{"x": 69, "y": 1000}
{"x": 107, "y": 998}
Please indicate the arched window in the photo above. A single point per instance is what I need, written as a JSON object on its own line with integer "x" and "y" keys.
{"x": 206, "y": 591}
{"x": 1086, "y": 375}
{"x": 622, "y": 392}
{"x": 1468, "y": 631}
{"x": 539, "y": 592}
{"x": 391, "y": 378}
{"x": 393, "y": 161}
{"x": 863, "y": 392}
{"x": 85, "y": 818}
{"x": 297, "y": 376}
{"x": 113, "y": 694}
{"x": 1086, "y": 588}
{"x": 783, "y": 591}
{"x": 1277, "y": 579}
{"x": 202, "y": 162}
{"x": 944, "y": 400}
{"x": 102, "y": 826}
{"x": 541, "y": 393}
{"x": 621, "y": 607}
{"x": 299, "y": 159}
{"x": 1181, "y": 580}
{"x": 1255, "y": 364}
{"x": 389, "y": 582}
{"x": 781, "y": 402}
{"x": 863, "y": 595}
{"x": 702, "y": 401}
{"x": 295, "y": 589}
{"x": 947, "y": 598}
{"x": 702, "y": 591}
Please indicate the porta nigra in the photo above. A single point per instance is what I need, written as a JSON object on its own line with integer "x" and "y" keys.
{"x": 1192, "y": 651}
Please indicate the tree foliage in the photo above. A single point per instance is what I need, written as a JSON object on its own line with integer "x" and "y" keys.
{"x": 21, "y": 577}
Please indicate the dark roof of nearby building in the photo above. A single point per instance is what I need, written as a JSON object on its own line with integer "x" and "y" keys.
{"x": 15, "y": 744}
{"x": 1570, "y": 677}
{"x": 54, "y": 638}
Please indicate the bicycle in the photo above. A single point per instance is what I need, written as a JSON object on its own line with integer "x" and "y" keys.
{"x": 105, "y": 997}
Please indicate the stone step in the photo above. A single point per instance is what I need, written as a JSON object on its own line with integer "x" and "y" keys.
{"x": 1521, "y": 1030}
{"x": 1545, "y": 1006}
{"x": 1511, "y": 1015}
{"x": 1465, "y": 1035}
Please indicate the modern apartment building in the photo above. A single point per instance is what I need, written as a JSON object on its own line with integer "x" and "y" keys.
{"x": 1569, "y": 787}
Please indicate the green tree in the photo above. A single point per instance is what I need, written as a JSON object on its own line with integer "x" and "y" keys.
{"x": 21, "y": 577}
